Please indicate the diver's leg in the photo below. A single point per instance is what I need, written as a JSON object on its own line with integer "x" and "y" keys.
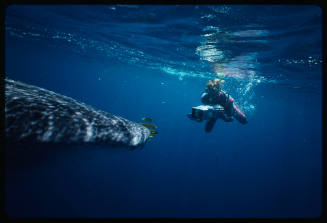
{"x": 209, "y": 124}
{"x": 238, "y": 114}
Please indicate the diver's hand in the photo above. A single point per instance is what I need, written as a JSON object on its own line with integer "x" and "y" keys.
{"x": 228, "y": 119}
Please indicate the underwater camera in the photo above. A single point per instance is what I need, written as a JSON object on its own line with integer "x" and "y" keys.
{"x": 206, "y": 112}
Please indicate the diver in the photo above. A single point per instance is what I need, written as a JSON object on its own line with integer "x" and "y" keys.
{"x": 215, "y": 96}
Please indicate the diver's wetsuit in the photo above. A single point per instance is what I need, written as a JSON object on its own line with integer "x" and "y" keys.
{"x": 227, "y": 102}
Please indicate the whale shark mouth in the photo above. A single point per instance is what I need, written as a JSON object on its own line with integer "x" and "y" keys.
{"x": 37, "y": 115}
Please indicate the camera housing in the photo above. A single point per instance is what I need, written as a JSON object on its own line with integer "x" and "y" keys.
{"x": 206, "y": 112}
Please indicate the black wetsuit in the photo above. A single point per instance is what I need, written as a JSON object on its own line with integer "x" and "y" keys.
{"x": 228, "y": 104}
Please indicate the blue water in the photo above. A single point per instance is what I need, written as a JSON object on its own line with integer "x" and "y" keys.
{"x": 154, "y": 61}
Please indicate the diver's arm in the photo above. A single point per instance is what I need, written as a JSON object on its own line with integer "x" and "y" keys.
{"x": 205, "y": 98}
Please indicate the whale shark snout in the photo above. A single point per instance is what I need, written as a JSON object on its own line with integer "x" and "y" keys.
{"x": 37, "y": 115}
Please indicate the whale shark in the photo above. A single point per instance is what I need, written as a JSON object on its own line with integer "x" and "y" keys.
{"x": 37, "y": 115}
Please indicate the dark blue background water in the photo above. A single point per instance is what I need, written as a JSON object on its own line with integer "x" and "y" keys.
{"x": 154, "y": 61}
